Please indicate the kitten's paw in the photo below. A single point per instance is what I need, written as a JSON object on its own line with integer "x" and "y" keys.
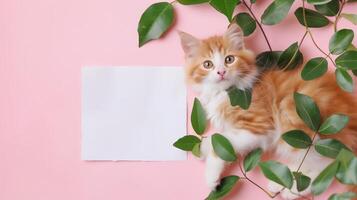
{"x": 212, "y": 180}
{"x": 212, "y": 185}
{"x": 294, "y": 194}
{"x": 287, "y": 195}
{"x": 274, "y": 187}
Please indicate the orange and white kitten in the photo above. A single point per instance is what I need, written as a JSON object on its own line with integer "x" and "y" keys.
{"x": 216, "y": 63}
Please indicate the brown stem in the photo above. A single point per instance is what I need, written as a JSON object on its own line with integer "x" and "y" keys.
{"x": 257, "y": 185}
{"x": 312, "y": 37}
{"x": 302, "y": 162}
{"x": 307, "y": 152}
{"x": 259, "y": 25}
{"x": 338, "y": 16}
{"x": 322, "y": 51}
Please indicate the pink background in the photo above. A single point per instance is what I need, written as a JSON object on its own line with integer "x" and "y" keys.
{"x": 43, "y": 45}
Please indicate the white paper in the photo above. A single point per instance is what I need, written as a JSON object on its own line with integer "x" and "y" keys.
{"x": 133, "y": 113}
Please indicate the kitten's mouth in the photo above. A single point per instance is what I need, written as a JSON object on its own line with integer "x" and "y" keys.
{"x": 221, "y": 79}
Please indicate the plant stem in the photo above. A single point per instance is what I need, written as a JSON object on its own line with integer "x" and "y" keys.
{"x": 319, "y": 48}
{"x": 259, "y": 25}
{"x": 245, "y": 177}
{"x": 312, "y": 37}
{"x": 257, "y": 185}
{"x": 343, "y": 2}
{"x": 307, "y": 152}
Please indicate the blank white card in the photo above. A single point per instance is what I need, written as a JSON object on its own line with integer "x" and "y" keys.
{"x": 133, "y": 113}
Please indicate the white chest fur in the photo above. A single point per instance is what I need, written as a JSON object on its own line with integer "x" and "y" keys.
{"x": 242, "y": 140}
{"x": 211, "y": 102}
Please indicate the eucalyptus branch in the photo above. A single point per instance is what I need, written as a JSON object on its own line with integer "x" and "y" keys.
{"x": 328, "y": 55}
{"x": 312, "y": 37}
{"x": 338, "y": 16}
{"x": 245, "y": 177}
{"x": 307, "y": 152}
{"x": 303, "y": 160}
{"x": 259, "y": 25}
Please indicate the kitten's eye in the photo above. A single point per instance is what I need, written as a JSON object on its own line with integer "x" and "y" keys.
{"x": 207, "y": 64}
{"x": 229, "y": 59}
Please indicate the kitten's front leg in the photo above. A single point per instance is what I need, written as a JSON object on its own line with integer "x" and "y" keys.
{"x": 214, "y": 164}
{"x": 242, "y": 141}
{"x": 214, "y": 169}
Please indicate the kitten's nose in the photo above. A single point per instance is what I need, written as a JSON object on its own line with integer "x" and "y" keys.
{"x": 221, "y": 72}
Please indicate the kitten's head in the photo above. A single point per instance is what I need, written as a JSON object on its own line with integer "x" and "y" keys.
{"x": 220, "y": 61}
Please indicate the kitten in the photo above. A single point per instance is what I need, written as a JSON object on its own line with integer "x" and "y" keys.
{"x": 216, "y": 63}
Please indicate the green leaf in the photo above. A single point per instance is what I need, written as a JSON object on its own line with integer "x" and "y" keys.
{"x": 314, "y": 68}
{"x": 276, "y": 11}
{"x": 350, "y": 17}
{"x": 329, "y": 147}
{"x": 268, "y": 59}
{"x": 334, "y": 124}
{"x": 297, "y": 138}
{"x": 302, "y": 181}
{"x": 291, "y": 57}
{"x": 329, "y": 9}
{"x": 340, "y": 41}
{"x": 343, "y": 196}
{"x": 191, "y": 2}
{"x": 324, "y": 179}
{"x": 313, "y": 18}
{"x": 225, "y": 7}
{"x": 347, "y": 171}
{"x": 155, "y": 21}
{"x": 277, "y": 172}
{"x": 196, "y": 150}
{"x": 246, "y": 23}
{"x": 344, "y": 80}
{"x": 225, "y": 186}
{"x": 318, "y": 2}
{"x": 223, "y": 148}
{"x": 307, "y": 110}
{"x": 253, "y": 1}
{"x": 187, "y": 142}
{"x": 240, "y": 97}
{"x": 198, "y": 118}
{"x": 252, "y": 159}
{"x": 347, "y": 60}
{"x": 351, "y": 48}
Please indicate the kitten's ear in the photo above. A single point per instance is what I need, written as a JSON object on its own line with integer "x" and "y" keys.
{"x": 189, "y": 43}
{"x": 234, "y": 35}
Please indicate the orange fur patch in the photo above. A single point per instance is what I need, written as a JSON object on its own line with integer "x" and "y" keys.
{"x": 273, "y": 103}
